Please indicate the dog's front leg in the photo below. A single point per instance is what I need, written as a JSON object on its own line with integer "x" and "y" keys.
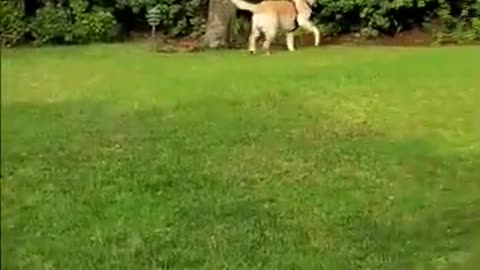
{"x": 309, "y": 26}
{"x": 290, "y": 41}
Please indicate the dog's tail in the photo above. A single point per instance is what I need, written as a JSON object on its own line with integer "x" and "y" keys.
{"x": 245, "y": 5}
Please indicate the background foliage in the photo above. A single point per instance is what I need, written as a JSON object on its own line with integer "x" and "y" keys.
{"x": 374, "y": 17}
{"x": 12, "y": 25}
{"x": 83, "y": 21}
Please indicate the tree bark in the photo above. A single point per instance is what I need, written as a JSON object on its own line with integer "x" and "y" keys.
{"x": 220, "y": 17}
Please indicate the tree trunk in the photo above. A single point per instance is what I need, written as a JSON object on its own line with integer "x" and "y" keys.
{"x": 220, "y": 17}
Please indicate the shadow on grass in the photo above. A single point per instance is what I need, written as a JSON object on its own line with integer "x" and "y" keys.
{"x": 256, "y": 183}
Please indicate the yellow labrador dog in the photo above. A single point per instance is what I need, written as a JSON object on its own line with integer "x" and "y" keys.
{"x": 269, "y": 16}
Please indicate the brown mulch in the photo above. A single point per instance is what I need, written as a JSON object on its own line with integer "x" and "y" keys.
{"x": 409, "y": 38}
{"x": 178, "y": 45}
{"x": 414, "y": 37}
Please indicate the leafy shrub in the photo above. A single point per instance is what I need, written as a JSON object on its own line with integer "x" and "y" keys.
{"x": 72, "y": 24}
{"x": 12, "y": 24}
{"x": 372, "y": 18}
{"x": 455, "y": 21}
{"x": 51, "y": 24}
{"x": 177, "y": 17}
{"x": 94, "y": 26}
{"x": 476, "y": 27}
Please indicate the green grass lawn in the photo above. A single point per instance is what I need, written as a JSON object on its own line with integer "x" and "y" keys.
{"x": 114, "y": 157}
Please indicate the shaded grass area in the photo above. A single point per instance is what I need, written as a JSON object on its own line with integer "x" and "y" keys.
{"x": 335, "y": 158}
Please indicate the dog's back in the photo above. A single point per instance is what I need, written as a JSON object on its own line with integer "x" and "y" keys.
{"x": 283, "y": 10}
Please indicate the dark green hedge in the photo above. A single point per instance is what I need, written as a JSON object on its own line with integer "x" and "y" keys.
{"x": 374, "y": 17}
{"x": 84, "y": 21}
{"x": 12, "y": 24}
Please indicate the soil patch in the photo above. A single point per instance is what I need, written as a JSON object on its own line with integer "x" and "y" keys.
{"x": 414, "y": 37}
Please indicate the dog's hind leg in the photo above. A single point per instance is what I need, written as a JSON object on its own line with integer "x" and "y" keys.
{"x": 309, "y": 26}
{"x": 254, "y": 35}
{"x": 290, "y": 41}
{"x": 269, "y": 37}
{"x": 270, "y": 31}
